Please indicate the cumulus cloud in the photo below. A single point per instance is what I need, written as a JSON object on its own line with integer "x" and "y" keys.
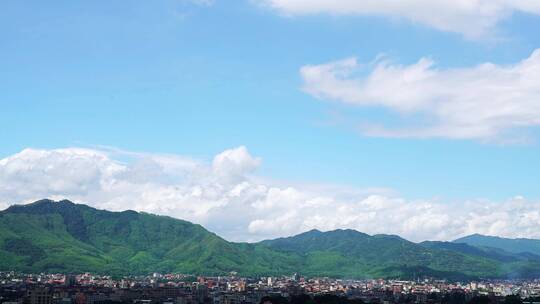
{"x": 234, "y": 163}
{"x": 226, "y": 195}
{"x": 484, "y": 102}
{"x": 472, "y": 18}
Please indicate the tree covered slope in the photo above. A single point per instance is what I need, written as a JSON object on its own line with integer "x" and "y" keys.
{"x": 355, "y": 254}
{"x": 62, "y": 236}
{"x": 511, "y": 245}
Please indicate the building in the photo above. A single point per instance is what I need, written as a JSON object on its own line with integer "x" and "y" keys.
{"x": 40, "y": 295}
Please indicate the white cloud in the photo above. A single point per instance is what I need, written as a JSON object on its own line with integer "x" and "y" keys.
{"x": 242, "y": 206}
{"x": 234, "y": 164}
{"x": 472, "y": 18}
{"x": 485, "y": 102}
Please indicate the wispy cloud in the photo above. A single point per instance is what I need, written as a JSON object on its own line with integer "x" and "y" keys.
{"x": 486, "y": 102}
{"x": 228, "y": 196}
{"x": 473, "y": 19}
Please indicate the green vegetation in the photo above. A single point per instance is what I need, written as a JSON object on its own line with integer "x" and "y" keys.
{"x": 67, "y": 237}
{"x": 510, "y": 245}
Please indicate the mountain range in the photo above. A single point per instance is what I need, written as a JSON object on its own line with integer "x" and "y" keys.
{"x": 519, "y": 245}
{"x": 49, "y": 236}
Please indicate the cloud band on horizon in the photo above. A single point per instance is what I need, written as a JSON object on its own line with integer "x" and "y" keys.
{"x": 227, "y": 197}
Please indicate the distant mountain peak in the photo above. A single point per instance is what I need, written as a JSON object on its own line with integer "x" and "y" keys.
{"x": 42, "y": 201}
{"x": 348, "y": 232}
{"x": 47, "y": 201}
{"x": 42, "y": 205}
{"x": 475, "y": 235}
{"x": 514, "y": 245}
{"x": 315, "y": 233}
{"x": 312, "y": 232}
{"x": 484, "y": 236}
{"x": 389, "y": 236}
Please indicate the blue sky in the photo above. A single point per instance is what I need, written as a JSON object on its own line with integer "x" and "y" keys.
{"x": 196, "y": 78}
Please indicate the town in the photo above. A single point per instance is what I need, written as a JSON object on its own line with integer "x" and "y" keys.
{"x": 19, "y": 288}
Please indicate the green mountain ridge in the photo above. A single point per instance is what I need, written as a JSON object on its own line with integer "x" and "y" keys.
{"x": 518, "y": 245}
{"x": 66, "y": 237}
